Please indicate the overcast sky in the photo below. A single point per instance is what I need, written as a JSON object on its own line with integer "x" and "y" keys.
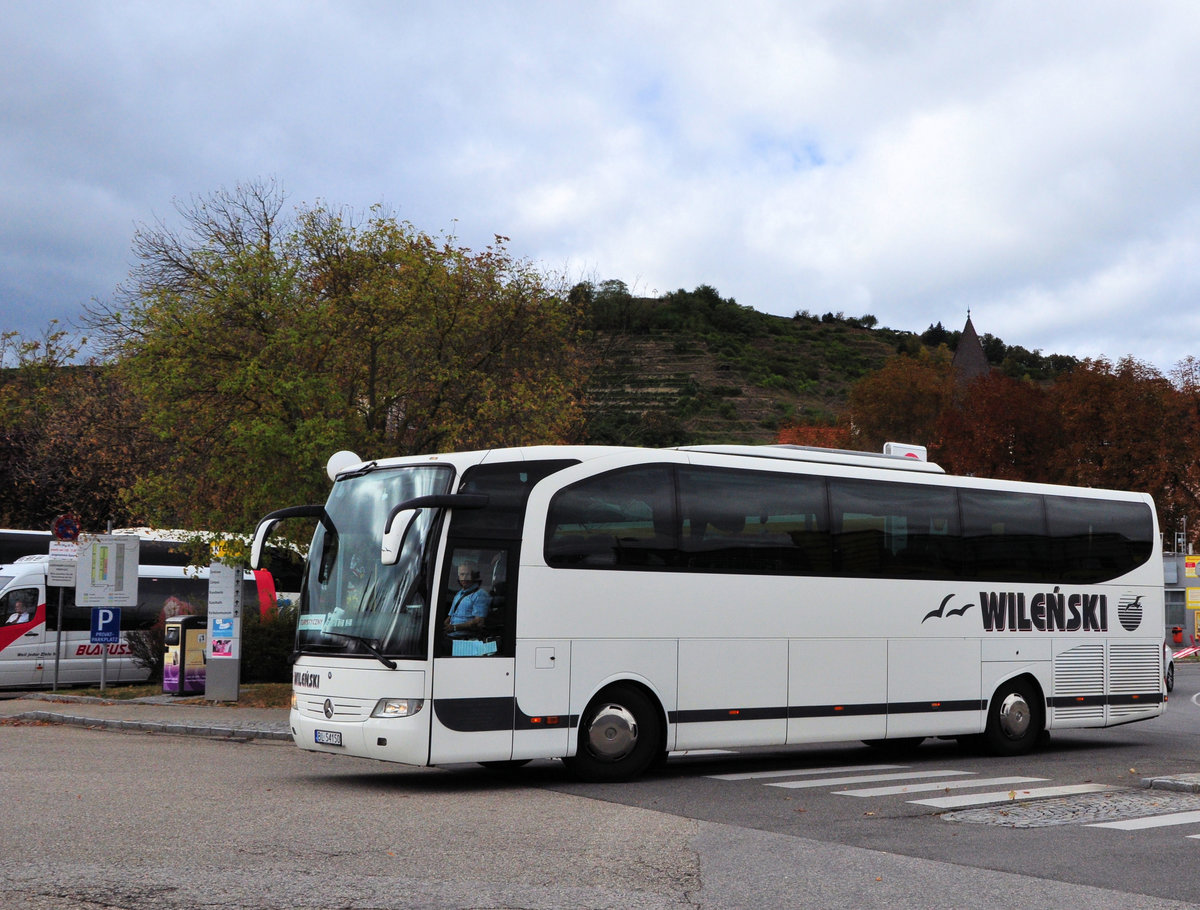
{"x": 1035, "y": 162}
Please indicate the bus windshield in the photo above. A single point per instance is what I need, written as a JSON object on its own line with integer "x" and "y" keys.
{"x": 350, "y": 602}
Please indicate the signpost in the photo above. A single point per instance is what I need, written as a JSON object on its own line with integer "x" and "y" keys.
{"x": 222, "y": 677}
{"x": 64, "y": 556}
{"x": 106, "y": 625}
{"x": 106, "y": 578}
{"x": 106, "y": 631}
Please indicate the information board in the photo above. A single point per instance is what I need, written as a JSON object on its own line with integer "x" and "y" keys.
{"x": 106, "y": 572}
{"x": 64, "y": 556}
{"x": 224, "y": 611}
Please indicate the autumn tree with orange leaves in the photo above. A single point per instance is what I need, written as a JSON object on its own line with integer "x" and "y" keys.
{"x": 1122, "y": 425}
{"x": 903, "y": 401}
{"x": 69, "y": 435}
{"x": 1126, "y": 425}
{"x": 998, "y": 427}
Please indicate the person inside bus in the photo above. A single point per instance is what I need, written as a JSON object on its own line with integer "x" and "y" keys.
{"x": 21, "y": 605}
{"x": 469, "y": 608}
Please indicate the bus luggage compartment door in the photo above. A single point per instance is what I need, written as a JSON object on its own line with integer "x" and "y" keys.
{"x": 472, "y": 709}
{"x": 543, "y": 706}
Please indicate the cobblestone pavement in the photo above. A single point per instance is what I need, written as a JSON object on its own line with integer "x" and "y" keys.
{"x": 1113, "y": 805}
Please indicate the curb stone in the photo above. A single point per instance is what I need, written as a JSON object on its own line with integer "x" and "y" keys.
{"x": 141, "y": 726}
{"x": 1180, "y": 783}
{"x": 153, "y": 715}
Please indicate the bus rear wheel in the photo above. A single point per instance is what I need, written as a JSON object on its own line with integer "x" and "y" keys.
{"x": 1015, "y": 719}
{"x": 620, "y": 735}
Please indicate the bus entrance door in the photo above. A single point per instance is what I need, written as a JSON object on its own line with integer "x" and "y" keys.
{"x": 473, "y": 699}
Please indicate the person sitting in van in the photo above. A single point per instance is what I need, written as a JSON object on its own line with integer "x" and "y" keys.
{"x": 21, "y": 606}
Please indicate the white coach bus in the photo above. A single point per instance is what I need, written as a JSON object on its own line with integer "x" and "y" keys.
{"x": 630, "y": 602}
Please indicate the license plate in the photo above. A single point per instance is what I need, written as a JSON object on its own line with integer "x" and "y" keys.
{"x": 328, "y": 738}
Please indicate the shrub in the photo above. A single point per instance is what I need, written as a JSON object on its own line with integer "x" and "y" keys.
{"x": 267, "y": 645}
{"x": 146, "y": 647}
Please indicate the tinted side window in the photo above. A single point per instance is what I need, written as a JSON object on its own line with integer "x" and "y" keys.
{"x": 1004, "y": 536}
{"x": 1094, "y": 540}
{"x": 760, "y": 523}
{"x": 15, "y": 544}
{"x": 507, "y": 485}
{"x": 69, "y": 609}
{"x": 893, "y": 530}
{"x": 744, "y": 522}
{"x": 159, "y": 597}
{"x": 622, "y": 519}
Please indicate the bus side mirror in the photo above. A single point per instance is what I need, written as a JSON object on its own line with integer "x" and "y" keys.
{"x": 393, "y": 535}
{"x": 401, "y": 518}
{"x": 268, "y": 523}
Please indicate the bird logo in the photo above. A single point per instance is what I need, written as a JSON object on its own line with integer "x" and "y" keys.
{"x": 1129, "y": 611}
{"x": 940, "y": 612}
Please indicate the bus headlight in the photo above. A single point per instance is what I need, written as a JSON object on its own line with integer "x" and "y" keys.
{"x": 397, "y": 707}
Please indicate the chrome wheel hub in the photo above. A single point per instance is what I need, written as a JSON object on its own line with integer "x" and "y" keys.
{"x": 613, "y": 733}
{"x": 1015, "y": 716}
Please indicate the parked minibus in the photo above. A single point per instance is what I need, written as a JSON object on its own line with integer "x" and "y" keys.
{"x": 30, "y": 622}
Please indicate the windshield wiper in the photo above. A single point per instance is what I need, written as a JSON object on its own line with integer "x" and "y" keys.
{"x": 366, "y": 643}
{"x": 359, "y": 472}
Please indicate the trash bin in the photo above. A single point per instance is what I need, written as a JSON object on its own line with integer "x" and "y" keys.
{"x": 184, "y": 658}
{"x": 1177, "y": 634}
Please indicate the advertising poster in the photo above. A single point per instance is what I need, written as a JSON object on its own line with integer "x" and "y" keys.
{"x": 224, "y": 612}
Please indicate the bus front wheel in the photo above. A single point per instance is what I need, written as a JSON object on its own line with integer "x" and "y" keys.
{"x": 620, "y": 735}
{"x": 1015, "y": 719}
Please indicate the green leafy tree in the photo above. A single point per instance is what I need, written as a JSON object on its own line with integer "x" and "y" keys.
{"x": 257, "y": 345}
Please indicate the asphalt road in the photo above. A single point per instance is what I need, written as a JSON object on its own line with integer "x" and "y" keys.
{"x": 99, "y": 819}
{"x": 786, "y": 792}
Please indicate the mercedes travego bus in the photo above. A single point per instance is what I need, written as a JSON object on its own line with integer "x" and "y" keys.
{"x": 609, "y": 605}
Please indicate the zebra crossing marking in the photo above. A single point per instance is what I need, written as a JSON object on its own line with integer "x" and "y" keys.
{"x": 1008, "y": 796}
{"x": 909, "y": 782}
{"x": 928, "y": 787}
{"x": 863, "y": 779}
{"x": 1152, "y": 821}
{"x": 803, "y": 772}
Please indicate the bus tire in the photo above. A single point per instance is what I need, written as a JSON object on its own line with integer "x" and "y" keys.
{"x": 1016, "y": 719}
{"x": 620, "y": 735}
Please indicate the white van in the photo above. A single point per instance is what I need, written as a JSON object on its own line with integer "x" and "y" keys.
{"x": 29, "y": 622}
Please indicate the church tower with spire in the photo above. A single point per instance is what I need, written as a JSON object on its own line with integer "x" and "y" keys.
{"x": 969, "y": 360}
